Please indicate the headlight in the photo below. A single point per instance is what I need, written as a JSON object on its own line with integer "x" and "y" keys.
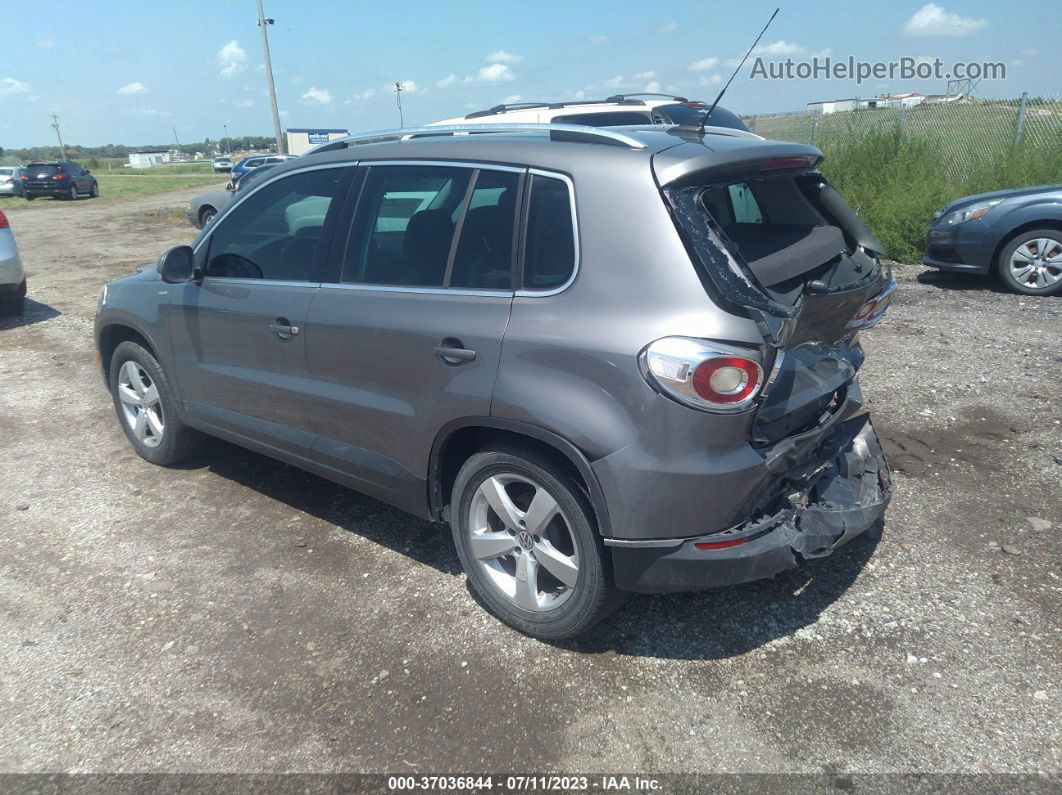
{"x": 102, "y": 300}
{"x": 969, "y": 213}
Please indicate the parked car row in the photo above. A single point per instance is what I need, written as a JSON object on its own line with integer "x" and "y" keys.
{"x": 60, "y": 179}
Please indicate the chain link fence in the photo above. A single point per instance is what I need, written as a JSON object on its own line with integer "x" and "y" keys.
{"x": 966, "y": 133}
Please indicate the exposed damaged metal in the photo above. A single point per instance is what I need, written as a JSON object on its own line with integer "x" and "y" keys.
{"x": 824, "y": 507}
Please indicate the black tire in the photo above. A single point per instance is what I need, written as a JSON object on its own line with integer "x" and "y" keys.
{"x": 71, "y": 194}
{"x": 28, "y": 197}
{"x": 178, "y": 441}
{"x": 593, "y": 596}
{"x": 206, "y": 215}
{"x": 94, "y": 193}
{"x": 1010, "y": 279}
{"x": 13, "y": 304}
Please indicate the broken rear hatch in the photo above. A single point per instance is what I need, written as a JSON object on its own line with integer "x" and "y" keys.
{"x": 772, "y": 240}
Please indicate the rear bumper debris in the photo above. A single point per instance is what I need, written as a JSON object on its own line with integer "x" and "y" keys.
{"x": 844, "y": 495}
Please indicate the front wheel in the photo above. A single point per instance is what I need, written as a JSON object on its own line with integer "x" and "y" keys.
{"x": 527, "y": 539}
{"x": 1031, "y": 263}
{"x": 206, "y": 215}
{"x": 28, "y": 197}
{"x": 94, "y": 193}
{"x": 147, "y": 408}
{"x": 13, "y": 304}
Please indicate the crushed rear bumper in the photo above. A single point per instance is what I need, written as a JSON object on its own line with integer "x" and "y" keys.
{"x": 837, "y": 495}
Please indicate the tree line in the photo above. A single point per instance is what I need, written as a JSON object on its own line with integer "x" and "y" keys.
{"x": 121, "y": 151}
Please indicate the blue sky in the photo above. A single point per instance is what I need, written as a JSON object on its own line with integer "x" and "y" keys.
{"x": 118, "y": 72}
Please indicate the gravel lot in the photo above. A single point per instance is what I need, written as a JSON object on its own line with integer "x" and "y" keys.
{"x": 239, "y": 615}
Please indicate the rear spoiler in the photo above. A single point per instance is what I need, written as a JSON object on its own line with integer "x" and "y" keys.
{"x": 674, "y": 170}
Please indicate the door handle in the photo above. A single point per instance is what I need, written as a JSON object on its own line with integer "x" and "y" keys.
{"x": 283, "y": 329}
{"x": 453, "y": 352}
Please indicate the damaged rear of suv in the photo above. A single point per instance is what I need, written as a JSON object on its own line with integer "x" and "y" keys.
{"x": 799, "y": 470}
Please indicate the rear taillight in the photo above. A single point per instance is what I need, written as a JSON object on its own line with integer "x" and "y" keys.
{"x": 703, "y": 374}
{"x": 24, "y": 178}
{"x": 59, "y": 176}
{"x": 3, "y": 221}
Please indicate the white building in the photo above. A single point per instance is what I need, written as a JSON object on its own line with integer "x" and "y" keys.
{"x": 908, "y": 100}
{"x": 303, "y": 139}
{"x": 147, "y": 159}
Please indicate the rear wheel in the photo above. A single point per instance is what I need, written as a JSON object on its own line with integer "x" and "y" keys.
{"x": 147, "y": 408}
{"x": 28, "y": 197}
{"x": 206, "y": 215}
{"x": 71, "y": 193}
{"x": 528, "y": 542}
{"x": 1031, "y": 263}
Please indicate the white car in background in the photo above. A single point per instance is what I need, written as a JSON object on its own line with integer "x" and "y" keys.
{"x": 10, "y": 181}
{"x": 12, "y": 275}
{"x": 620, "y": 110}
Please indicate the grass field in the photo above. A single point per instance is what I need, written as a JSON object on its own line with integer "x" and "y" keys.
{"x": 114, "y": 186}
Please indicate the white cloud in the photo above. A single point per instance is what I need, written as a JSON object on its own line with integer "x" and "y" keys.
{"x": 704, "y": 64}
{"x": 408, "y": 87}
{"x": 322, "y": 96}
{"x": 450, "y": 80}
{"x": 932, "y": 20}
{"x": 653, "y": 87}
{"x": 150, "y": 111}
{"x": 10, "y": 85}
{"x": 133, "y": 88}
{"x": 779, "y": 48}
{"x": 711, "y": 80}
{"x": 492, "y": 73}
{"x": 1031, "y": 52}
{"x": 618, "y": 80}
{"x": 501, "y": 56}
{"x": 245, "y": 103}
{"x": 580, "y": 94}
{"x": 644, "y": 75}
{"x": 362, "y": 95}
{"x": 46, "y": 44}
{"x": 512, "y": 98}
{"x": 232, "y": 58}
{"x": 598, "y": 39}
{"x": 670, "y": 27}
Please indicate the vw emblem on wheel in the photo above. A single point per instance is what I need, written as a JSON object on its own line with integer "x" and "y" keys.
{"x": 525, "y": 539}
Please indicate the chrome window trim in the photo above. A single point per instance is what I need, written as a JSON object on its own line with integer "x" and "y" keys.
{"x": 272, "y": 282}
{"x": 228, "y": 208}
{"x": 445, "y": 163}
{"x": 524, "y": 293}
{"x": 388, "y": 288}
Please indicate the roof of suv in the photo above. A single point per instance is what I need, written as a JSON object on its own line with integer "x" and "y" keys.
{"x": 564, "y": 148}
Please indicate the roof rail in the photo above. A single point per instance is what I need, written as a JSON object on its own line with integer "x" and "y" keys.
{"x": 564, "y": 132}
{"x": 623, "y": 97}
{"x": 478, "y": 114}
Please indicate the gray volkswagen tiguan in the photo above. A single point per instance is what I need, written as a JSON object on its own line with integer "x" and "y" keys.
{"x": 613, "y": 360}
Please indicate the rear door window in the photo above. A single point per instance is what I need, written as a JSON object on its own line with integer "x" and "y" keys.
{"x": 275, "y": 232}
{"x": 404, "y": 226}
{"x": 743, "y": 204}
{"x": 550, "y": 252}
{"x": 485, "y": 248}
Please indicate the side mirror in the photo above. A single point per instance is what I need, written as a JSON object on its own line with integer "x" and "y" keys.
{"x": 230, "y": 187}
{"x": 177, "y": 265}
{"x": 87, "y": 171}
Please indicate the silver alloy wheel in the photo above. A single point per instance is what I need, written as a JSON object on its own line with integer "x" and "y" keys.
{"x": 141, "y": 405}
{"x": 1037, "y": 264}
{"x": 523, "y": 542}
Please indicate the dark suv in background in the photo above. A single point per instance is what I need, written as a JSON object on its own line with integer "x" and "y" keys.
{"x": 60, "y": 179}
{"x": 611, "y": 360}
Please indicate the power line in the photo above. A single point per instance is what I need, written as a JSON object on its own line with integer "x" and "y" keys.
{"x": 398, "y": 98}
{"x": 55, "y": 124}
{"x": 262, "y": 22}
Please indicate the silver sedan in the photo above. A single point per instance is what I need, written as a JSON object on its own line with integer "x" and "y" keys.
{"x": 12, "y": 275}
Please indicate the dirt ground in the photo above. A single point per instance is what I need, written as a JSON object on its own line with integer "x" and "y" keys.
{"x": 238, "y": 615}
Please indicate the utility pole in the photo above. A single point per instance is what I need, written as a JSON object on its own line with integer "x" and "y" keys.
{"x": 262, "y": 22}
{"x": 175, "y": 138}
{"x": 228, "y": 144}
{"x": 398, "y": 98}
{"x": 55, "y": 124}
